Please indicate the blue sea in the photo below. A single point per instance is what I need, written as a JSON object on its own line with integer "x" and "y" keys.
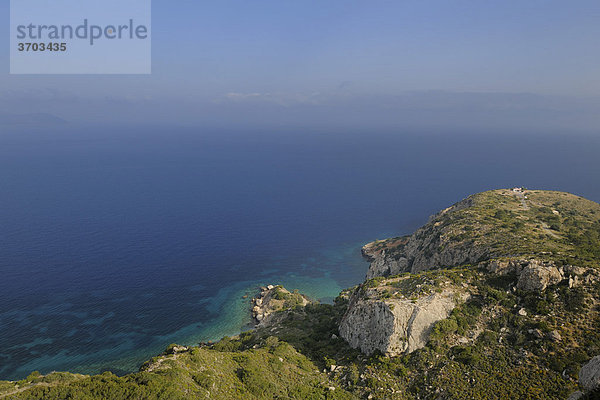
{"x": 117, "y": 241}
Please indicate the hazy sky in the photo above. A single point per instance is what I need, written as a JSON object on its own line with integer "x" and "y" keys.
{"x": 470, "y": 63}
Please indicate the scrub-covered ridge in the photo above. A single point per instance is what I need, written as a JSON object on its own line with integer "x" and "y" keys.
{"x": 514, "y": 223}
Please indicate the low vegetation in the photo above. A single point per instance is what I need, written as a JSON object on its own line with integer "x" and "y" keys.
{"x": 273, "y": 370}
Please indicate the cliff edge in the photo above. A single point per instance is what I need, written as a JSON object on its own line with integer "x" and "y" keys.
{"x": 509, "y": 223}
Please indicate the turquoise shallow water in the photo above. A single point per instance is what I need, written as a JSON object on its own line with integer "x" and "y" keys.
{"x": 226, "y": 313}
{"x": 115, "y": 243}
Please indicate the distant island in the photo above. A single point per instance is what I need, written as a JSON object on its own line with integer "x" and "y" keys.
{"x": 496, "y": 297}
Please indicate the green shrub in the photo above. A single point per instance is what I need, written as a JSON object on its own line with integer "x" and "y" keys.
{"x": 255, "y": 382}
{"x": 204, "y": 379}
{"x": 465, "y": 355}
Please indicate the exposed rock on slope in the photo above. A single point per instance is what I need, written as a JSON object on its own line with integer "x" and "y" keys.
{"x": 272, "y": 299}
{"x": 490, "y": 225}
{"x": 420, "y": 252}
{"x": 386, "y": 320}
{"x": 536, "y": 275}
{"x": 589, "y": 376}
{"x": 423, "y": 250}
{"x": 528, "y": 234}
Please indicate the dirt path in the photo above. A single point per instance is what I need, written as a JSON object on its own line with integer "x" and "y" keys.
{"x": 549, "y": 231}
{"x": 521, "y": 197}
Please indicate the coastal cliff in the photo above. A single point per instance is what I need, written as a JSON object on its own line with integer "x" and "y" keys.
{"x": 515, "y": 223}
{"x": 394, "y": 326}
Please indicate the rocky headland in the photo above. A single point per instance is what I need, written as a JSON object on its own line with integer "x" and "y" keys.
{"x": 272, "y": 299}
{"x": 495, "y": 297}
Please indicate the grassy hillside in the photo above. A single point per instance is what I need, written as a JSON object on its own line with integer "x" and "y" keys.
{"x": 272, "y": 370}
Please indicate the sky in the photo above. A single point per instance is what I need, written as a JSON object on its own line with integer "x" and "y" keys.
{"x": 340, "y": 63}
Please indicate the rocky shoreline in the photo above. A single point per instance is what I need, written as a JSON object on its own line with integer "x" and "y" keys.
{"x": 271, "y": 299}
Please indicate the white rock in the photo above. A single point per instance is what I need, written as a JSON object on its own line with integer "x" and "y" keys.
{"x": 394, "y": 326}
{"x": 421, "y": 251}
{"x": 589, "y": 375}
{"x": 554, "y": 336}
{"x": 536, "y": 276}
{"x": 576, "y": 396}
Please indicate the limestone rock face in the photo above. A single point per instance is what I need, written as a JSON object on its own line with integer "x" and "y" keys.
{"x": 537, "y": 276}
{"x": 423, "y": 250}
{"x": 369, "y": 325}
{"x": 394, "y": 326}
{"x": 385, "y": 265}
{"x": 420, "y": 252}
{"x": 576, "y": 396}
{"x": 498, "y": 224}
{"x": 502, "y": 267}
{"x": 589, "y": 375}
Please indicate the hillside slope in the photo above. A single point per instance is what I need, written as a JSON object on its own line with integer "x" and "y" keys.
{"x": 512, "y": 223}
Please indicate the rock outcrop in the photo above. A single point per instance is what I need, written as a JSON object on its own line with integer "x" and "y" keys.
{"x": 272, "y": 299}
{"x": 394, "y": 326}
{"x": 427, "y": 248}
{"x": 500, "y": 224}
{"x": 536, "y": 275}
{"x": 589, "y": 375}
{"x": 420, "y": 252}
{"x": 383, "y": 264}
